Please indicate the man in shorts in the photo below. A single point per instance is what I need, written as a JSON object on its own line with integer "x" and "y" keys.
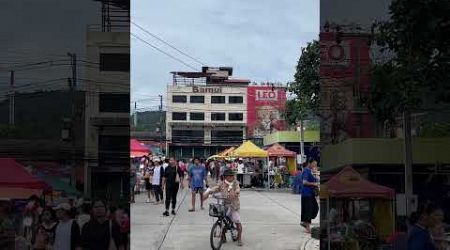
{"x": 197, "y": 177}
{"x": 230, "y": 190}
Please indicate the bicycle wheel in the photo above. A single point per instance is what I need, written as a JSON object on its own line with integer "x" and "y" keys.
{"x": 216, "y": 235}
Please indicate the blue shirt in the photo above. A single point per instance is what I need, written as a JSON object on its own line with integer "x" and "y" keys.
{"x": 197, "y": 174}
{"x": 307, "y": 175}
{"x": 419, "y": 239}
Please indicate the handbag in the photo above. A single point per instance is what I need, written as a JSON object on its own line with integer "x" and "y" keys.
{"x": 177, "y": 176}
{"x": 316, "y": 191}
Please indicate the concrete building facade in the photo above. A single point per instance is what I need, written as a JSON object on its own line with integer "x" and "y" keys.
{"x": 107, "y": 87}
{"x": 206, "y": 112}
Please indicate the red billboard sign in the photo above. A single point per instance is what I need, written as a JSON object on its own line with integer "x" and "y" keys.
{"x": 265, "y": 109}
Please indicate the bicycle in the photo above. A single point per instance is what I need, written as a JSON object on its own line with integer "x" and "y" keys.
{"x": 223, "y": 222}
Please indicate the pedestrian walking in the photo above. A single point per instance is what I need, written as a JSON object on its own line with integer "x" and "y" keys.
{"x": 44, "y": 238}
{"x": 67, "y": 233}
{"x": 148, "y": 173}
{"x": 172, "y": 181}
{"x": 198, "y": 178}
{"x": 158, "y": 173}
{"x": 101, "y": 232}
{"x": 309, "y": 204}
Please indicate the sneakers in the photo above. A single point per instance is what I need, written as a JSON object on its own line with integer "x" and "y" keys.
{"x": 166, "y": 213}
{"x": 148, "y": 200}
{"x": 173, "y": 212}
{"x": 239, "y": 243}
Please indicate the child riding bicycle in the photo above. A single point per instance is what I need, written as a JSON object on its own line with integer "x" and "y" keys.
{"x": 230, "y": 190}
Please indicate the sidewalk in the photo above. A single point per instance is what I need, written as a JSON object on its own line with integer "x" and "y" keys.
{"x": 270, "y": 221}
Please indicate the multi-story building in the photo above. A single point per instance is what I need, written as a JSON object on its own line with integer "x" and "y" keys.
{"x": 107, "y": 87}
{"x": 206, "y": 112}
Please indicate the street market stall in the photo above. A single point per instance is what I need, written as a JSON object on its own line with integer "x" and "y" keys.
{"x": 348, "y": 185}
{"x": 18, "y": 183}
{"x": 249, "y": 150}
{"x": 137, "y": 149}
{"x": 279, "y": 152}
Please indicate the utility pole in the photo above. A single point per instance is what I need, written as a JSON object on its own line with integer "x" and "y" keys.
{"x": 160, "y": 122}
{"x": 73, "y": 85}
{"x": 11, "y": 100}
{"x": 302, "y": 141}
{"x": 410, "y": 202}
{"x": 135, "y": 120}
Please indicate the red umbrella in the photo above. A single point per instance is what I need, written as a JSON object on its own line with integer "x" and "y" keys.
{"x": 137, "y": 149}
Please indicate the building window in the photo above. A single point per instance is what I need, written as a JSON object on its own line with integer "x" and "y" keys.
{"x": 115, "y": 62}
{"x": 196, "y": 116}
{"x": 226, "y": 136}
{"x": 217, "y": 99}
{"x": 217, "y": 116}
{"x": 179, "y": 116}
{"x": 179, "y": 99}
{"x": 113, "y": 150}
{"x": 235, "y": 116}
{"x": 114, "y": 103}
{"x": 235, "y": 99}
{"x": 197, "y": 99}
{"x": 196, "y": 136}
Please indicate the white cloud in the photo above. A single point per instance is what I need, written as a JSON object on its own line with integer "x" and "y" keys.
{"x": 260, "y": 39}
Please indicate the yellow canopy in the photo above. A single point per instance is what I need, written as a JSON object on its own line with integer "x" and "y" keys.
{"x": 226, "y": 152}
{"x": 249, "y": 150}
{"x": 222, "y": 155}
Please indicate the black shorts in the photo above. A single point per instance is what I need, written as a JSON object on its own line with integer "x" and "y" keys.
{"x": 197, "y": 190}
{"x": 148, "y": 185}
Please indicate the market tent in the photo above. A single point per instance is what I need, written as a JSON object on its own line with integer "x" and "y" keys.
{"x": 249, "y": 150}
{"x": 227, "y": 152}
{"x": 137, "y": 149}
{"x": 18, "y": 181}
{"x": 59, "y": 185}
{"x": 276, "y": 150}
{"x": 224, "y": 154}
{"x": 349, "y": 184}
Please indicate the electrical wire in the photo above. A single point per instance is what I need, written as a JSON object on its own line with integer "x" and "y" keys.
{"x": 168, "y": 44}
{"x": 165, "y": 53}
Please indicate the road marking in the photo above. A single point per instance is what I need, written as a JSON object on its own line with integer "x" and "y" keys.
{"x": 173, "y": 218}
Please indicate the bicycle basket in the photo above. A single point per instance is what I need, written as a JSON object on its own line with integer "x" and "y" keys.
{"x": 216, "y": 210}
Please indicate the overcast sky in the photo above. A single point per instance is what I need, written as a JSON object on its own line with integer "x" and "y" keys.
{"x": 260, "y": 39}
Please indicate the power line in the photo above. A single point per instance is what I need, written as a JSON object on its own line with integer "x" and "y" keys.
{"x": 168, "y": 44}
{"x": 162, "y": 51}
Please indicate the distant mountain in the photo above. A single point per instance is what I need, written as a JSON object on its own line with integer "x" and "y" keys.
{"x": 40, "y": 114}
{"x": 148, "y": 121}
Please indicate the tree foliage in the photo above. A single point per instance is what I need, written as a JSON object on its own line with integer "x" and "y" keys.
{"x": 306, "y": 85}
{"x": 416, "y": 33}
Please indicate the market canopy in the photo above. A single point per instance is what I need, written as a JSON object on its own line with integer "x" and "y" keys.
{"x": 249, "y": 150}
{"x": 59, "y": 185}
{"x": 222, "y": 155}
{"x": 137, "y": 149}
{"x": 227, "y": 152}
{"x": 276, "y": 150}
{"x": 349, "y": 184}
{"x": 17, "y": 177}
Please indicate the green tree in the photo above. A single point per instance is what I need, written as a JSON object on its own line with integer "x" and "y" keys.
{"x": 417, "y": 74}
{"x": 306, "y": 85}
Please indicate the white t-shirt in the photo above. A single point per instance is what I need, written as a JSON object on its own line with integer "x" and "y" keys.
{"x": 157, "y": 176}
{"x": 63, "y": 235}
{"x": 165, "y": 165}
{"x": 240, "y": 168}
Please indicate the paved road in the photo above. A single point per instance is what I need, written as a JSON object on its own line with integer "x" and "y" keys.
{"x": 270, "y": 221}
